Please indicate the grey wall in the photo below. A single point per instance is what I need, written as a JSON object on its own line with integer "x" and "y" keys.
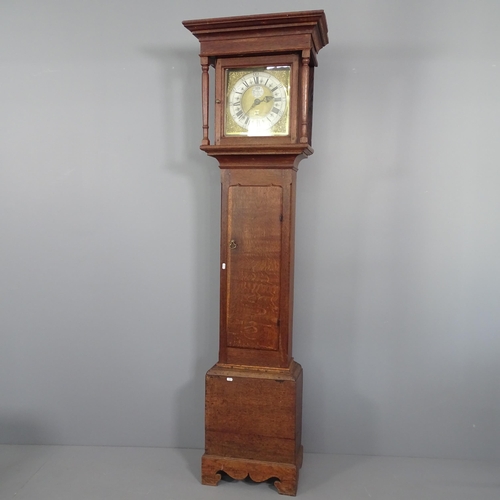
{"x": 109, "y": 220}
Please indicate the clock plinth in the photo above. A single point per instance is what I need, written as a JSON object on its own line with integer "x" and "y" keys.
{"x": 264, "y": 68}
{"x": 253, "y": 420}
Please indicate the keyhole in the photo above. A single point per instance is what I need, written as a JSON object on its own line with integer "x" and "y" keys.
{"x": 232, "y": 244}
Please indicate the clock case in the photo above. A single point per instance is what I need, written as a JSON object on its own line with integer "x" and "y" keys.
{"x": 253, "y": 400}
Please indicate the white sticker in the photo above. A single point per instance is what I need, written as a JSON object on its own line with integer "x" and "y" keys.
{"x": 229, "y": 379}
{"x": 223, "y": 265}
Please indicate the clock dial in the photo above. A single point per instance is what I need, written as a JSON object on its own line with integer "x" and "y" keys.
{"x": 257, "y": 101}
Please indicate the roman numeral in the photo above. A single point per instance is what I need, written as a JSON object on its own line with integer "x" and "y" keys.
{"x": 275, "y": 110}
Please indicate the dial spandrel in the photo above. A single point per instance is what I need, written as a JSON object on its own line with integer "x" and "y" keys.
{"x": 257, "y": 101}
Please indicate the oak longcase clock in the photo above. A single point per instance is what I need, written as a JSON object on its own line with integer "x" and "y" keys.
{"x": 264, "y": 67}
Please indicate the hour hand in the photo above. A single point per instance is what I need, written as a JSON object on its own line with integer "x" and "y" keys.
{"x": 258, "y": 101}
{"x": 255, "y": 103}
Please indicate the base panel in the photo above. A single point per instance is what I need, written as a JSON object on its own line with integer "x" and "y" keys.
{"x": 253, "y": 420}
{"x": 285, "y": 476}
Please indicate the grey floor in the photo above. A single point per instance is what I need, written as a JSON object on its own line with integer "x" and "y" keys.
{"x": 106, "y": 473}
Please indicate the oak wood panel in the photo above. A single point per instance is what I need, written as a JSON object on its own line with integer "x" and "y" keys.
{"x": 251, "y": 446}
{"x": 253, "y": 266}
{"x": 257, "y": 275}
{"x": 257, "y": 44}
{"x": 254, "y": 414}
{"x": 251, "y": 407}
{"x": 255, "y": 357}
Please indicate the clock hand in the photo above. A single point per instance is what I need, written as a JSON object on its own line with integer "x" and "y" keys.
{"x": 255, "y": 103}
{"x": 259, "y": 101}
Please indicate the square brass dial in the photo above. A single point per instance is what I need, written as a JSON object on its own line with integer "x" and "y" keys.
{"x": 257, "y": 101}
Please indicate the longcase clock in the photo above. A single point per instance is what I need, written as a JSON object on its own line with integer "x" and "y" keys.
{"x": 264, "y": 67}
